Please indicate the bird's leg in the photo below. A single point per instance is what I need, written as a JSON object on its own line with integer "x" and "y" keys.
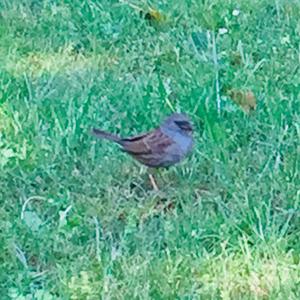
{"x": 152, "y": 180}
{"x": 153, "y": 183}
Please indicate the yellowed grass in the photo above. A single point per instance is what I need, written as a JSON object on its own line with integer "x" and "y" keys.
{"x": 63, "y": 61}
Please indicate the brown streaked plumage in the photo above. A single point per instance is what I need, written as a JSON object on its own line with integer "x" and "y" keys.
{"x": 162, "y": 147}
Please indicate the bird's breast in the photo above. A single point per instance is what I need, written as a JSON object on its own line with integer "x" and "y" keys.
{"x": 185, "y": 143}
{"x": 180, "y": 147}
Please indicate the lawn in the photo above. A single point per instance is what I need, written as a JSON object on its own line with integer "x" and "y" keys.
{"x": 79, "y": 218}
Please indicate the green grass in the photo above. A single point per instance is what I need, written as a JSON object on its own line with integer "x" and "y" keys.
{"x": 79, "y": 219}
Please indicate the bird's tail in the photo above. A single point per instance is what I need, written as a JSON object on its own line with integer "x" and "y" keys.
{"x": 106, "y": 135}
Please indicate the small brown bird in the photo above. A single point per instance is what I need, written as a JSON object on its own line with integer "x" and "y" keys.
{"x": 162, "y": 147}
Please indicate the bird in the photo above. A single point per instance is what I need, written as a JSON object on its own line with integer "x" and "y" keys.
{"x": 161, "y": 147}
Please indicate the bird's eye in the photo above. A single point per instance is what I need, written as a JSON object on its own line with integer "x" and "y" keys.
{"x": 184, "y": 125}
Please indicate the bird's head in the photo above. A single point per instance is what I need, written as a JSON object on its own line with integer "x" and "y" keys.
{"x": 178, "y": 122}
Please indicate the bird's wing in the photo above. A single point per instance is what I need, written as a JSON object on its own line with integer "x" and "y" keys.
{"x": 154, "y": 142}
